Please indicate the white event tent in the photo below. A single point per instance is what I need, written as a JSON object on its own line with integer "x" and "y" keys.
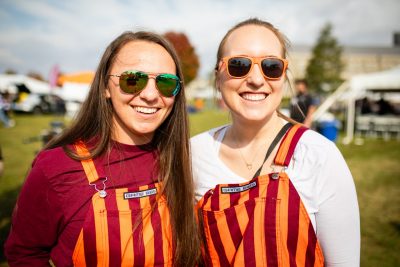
{"x": 72, "y": 93}
{"x": 356, "y": 88}
{"x": 9, "y": 82}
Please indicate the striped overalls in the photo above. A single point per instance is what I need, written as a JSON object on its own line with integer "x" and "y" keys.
{"x": 262, "y": 222}
{"x": 124, "y": 226}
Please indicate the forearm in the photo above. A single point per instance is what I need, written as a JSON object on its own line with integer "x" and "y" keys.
{"x": 17, "y": 255}
{"x": 337, "y": 220}
{"x": 34, "y": 227}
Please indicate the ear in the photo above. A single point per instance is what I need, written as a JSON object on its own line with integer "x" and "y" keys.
{"x": 107, "y": 93}
{"x": 216, "y": 81}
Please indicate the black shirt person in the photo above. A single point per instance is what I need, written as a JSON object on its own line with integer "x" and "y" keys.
{"x": 303, "y": 105}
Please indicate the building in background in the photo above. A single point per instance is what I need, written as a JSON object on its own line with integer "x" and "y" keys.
{"x": 357, "y": 59}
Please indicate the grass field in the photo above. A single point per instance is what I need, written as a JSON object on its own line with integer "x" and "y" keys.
{"x": 375, "y": 167}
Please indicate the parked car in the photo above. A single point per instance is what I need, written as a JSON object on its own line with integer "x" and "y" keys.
{"x": 38, "y": 103}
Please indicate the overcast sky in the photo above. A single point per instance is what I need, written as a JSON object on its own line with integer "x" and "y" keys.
{"x": 37, "y": 34}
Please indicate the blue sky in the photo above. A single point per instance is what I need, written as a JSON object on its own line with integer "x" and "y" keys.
{"x": 35, "y": 35}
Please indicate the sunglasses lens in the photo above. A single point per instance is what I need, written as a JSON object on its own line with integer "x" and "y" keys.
{"x": 239, "y": 66}
{"x": 168, "y": 84}
{"x": 272, "y": 67}
{"x": 133, "y": 82}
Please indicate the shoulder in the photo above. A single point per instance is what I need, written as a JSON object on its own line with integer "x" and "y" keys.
{"x": 49, "y": 170}
{"x": 204, "y": 148}
{"x": 53, "y": 155}
{"x": 315, "y": 148}
{"x": 317, "y": 170}
{"x": 311, "y": 138}
{"x": 204, "y": 138}
{"x": 55, "y": 162}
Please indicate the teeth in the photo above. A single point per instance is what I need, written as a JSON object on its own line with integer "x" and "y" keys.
{"x": 254, "y": 97}
{"x": 145, "y": 110}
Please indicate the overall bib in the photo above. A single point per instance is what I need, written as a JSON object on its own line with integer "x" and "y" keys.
{"x": 124, "y": 226}
{"x": 262, "y": 222}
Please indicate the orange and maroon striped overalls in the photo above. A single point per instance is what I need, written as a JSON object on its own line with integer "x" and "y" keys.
{"x": 127, "y": 227}
{"x": 262, "y": 222}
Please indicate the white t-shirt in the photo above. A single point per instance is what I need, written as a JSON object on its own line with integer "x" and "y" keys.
{"x": 320, "y": 176}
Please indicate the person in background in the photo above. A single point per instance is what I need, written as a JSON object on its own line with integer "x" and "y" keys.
{"x": 5, "y": 107}
{"x": 271, "y": 192}
{"x": 303, "y": 105}
{"x": 115, "y": 188}
{"x": 384, "y": 106}
{"x": 363, "y": 106}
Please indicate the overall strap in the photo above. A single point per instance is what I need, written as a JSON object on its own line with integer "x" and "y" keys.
{"x": 88, "y": 164}
{"x": 288, "y": 145}
{"x": 278, "y": 137}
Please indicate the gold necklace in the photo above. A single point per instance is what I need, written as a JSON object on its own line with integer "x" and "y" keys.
{"x": 248, "y": 165}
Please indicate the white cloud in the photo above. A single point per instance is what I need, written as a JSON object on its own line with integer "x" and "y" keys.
{"x": 7, "y": 56}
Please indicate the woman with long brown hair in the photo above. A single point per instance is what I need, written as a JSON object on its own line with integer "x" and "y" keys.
{"x": 115, "y": 188}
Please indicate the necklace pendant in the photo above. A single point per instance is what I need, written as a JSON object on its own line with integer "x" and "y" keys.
{"x": 249, "y": 166}
{"x": 102, "y": 193}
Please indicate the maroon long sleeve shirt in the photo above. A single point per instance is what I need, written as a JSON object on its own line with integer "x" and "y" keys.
{"x": 55, "y": 198}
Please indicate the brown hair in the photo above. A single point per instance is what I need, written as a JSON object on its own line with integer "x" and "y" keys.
{"x": 94, "y": 122}
{"x": 284, "y": 41}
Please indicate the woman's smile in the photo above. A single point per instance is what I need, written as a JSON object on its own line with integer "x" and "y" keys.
{"x": 254, "y": 96}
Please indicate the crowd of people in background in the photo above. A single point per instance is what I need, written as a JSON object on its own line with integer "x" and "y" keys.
{"x": 382, "y": 106}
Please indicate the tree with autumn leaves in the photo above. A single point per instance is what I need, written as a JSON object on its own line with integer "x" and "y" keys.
{"x": 187, "y": 54}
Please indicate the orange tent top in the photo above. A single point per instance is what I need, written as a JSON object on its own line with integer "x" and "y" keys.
{"x": 80, "y": 77}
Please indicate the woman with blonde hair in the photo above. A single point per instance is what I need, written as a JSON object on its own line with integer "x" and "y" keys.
{"x": 271, "y": 192}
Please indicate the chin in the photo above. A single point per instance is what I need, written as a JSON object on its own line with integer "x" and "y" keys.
{"x": 145, "y": 131}
{"x": 146, "y": 127}
{"x": 257, "y": 115}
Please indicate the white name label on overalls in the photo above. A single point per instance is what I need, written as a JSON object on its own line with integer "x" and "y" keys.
{"x": 139, "y": 194}
{"x": 237, "y": 189}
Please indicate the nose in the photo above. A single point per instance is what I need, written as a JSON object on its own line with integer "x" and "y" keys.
{"x": 256, "y": 76}
{"x": 150, "y": 92}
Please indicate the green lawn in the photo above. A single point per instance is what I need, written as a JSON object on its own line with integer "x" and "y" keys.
{"x": 375, "y": 167}
{"x": 376, "y": 171}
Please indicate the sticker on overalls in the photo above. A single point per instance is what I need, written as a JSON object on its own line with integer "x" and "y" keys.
{"x": 139, "y": 194}
{"x": 238, "y": 189}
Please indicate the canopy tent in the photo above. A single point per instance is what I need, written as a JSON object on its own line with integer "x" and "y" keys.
{"x": 10, "y": 83}
{"x": 75, "y": 88}
{"x": 357, "y": 88}
{"x": 85, "y": 77}
{"x": 72, "y": 91}
{"x": 74, "y": 94}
